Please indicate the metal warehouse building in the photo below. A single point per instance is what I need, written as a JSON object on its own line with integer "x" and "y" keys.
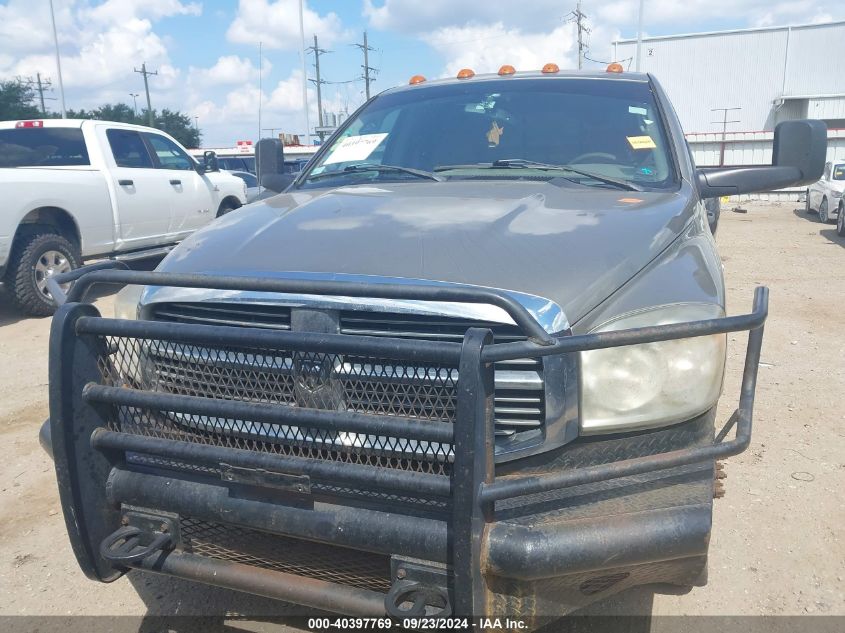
{"x": 762, "y": 76}
{"x": 772, "y": 74}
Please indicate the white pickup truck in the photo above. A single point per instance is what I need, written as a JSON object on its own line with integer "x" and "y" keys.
{"x": 79, "y": 189}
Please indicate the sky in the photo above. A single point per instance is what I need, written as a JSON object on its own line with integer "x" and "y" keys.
{"x": 206, "y": 53}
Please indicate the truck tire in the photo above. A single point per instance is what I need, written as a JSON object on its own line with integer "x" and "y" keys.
{"x": 34, "y": 259}
{"x": 807, "y": 208}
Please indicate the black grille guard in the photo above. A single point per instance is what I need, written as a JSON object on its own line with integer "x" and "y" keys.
{"x": 77, "y": 419}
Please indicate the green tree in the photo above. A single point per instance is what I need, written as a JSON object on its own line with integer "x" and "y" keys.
{"x": 178, "y": 125}
{"x": 17, "y": 101}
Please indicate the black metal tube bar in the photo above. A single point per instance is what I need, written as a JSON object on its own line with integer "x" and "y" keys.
{"x": 422, "y": 292}
{"x": 519, "y": 486}
{"x": 336, "y": 472}
{"x": 256, "y": 338}
{"x": 342, "y": 525}
{"x": 635, "y": 336}
{"x": 381, "y": 425}
{"x": 264, "y": 582}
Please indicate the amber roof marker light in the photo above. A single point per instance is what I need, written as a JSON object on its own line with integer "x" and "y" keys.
{"x": 550, "y": 68}
{"x": 466, "y": 73}
{"x": 507, "y": 69}
{"x": 615, "y": 67}
{"x": 416, "y": 79}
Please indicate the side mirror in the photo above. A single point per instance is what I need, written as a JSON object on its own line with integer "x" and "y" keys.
{"x": 277, "y": 182}
{"x": 209, "y": 160}
{"x": 798, "y": 157}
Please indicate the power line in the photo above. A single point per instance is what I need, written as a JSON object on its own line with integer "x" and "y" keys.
{"x": 146, "y": 73}
{"x": 366, "y": 67}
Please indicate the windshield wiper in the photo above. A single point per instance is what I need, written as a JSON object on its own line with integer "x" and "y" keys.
{"x": 362, "y": 167}
{"x": 532, "y": 164}
{"x": 521, "y": 162}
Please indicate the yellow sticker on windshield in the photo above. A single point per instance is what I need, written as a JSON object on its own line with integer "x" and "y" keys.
{"x": 641, "y": 142}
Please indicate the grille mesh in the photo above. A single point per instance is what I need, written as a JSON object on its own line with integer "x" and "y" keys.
{"x": 519, "y": 397}
{"x": 331, "y": 382}
{"x": 340, "y": 565}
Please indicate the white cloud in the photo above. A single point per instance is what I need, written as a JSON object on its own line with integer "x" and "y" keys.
{"x": 229, "y": 69}
{"x": 276, "y": 24}
{"x": 485, "y": 48}
{"x": 101, "y": 45}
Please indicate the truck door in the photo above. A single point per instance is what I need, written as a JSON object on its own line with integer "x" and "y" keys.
{"x": 193, "y": 196}
{"x": 141, "y": 193}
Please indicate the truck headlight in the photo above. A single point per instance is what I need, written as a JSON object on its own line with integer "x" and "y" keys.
{"x": 653, "y": 384}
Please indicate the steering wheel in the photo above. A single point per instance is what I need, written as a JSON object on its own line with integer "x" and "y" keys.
{"x": 606, "y": 158}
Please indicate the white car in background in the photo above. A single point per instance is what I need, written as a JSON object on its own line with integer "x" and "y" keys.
{"x": 825, "y": 196}
{"x": 80, "y": 189}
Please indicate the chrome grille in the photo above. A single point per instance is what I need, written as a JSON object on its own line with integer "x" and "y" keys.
{"x": 269, "y": 317}
{"x": 519, "y": 397}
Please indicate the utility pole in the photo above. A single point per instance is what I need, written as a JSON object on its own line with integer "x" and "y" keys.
{"x": 304, "y": 76}
{"x": 367, "y": 68}
{"x": 317, "y": 52}
{"x": 724, "y": 123}
{"x": 582, "y": 30}
{"x": 146, "y": 73}
{"x": 58, "y": 60}
{"x": 640, "y": 33}
{"x": 581, "y": 26}
{"x": 41, "y": 85}
{"x": 135, "y": 96}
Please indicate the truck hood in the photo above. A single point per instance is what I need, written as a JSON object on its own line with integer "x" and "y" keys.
{"x": 574, "y": 246}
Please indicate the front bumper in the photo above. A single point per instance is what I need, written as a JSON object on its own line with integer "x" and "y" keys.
{"x": 539, "y": 536}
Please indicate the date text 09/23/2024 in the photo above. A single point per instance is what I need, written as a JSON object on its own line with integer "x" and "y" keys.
{"x": 419, "y": 623}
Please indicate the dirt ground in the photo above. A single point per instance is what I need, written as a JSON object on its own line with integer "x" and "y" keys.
{"x": 777, "y": 544}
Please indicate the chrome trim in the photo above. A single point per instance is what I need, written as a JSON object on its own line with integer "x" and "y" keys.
{"x": 549, "y": 314}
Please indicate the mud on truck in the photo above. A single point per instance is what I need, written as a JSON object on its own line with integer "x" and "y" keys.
{"x": 467, "y": 363}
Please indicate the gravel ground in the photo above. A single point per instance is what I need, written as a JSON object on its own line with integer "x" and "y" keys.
{"x": 776, "y": 547}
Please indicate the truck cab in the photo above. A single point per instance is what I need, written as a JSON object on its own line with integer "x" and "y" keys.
{"x": 83, "y": 189}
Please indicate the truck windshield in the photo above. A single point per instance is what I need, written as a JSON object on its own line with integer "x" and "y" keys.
{"x": 514, "y": 128}
{"x": 42, "y": 147}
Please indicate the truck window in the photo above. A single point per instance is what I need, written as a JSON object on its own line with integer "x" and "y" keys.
{"x": 43, "y": 147}
{"x": 608, "y": 128}
{"x": 839, "y": 172}
{"x": 128, "y": 149}
{"x": 170, "y": 155}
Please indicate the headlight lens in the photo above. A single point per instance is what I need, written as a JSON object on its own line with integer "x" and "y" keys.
{"x": 126, "y": 302}
{"x": 654, "y": 384}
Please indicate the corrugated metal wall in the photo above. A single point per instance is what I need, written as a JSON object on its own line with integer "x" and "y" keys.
{"x": 754, "y": 148}
{"x": 749, "y": 69}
